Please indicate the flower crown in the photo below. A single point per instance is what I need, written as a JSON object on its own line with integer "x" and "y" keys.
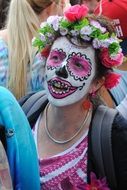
{"x": 79, "y": 29}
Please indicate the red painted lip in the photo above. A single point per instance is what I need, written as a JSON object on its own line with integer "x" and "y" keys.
{"x": 59, "y": 88}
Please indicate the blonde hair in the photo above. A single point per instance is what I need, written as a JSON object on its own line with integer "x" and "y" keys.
{"x": 22, "y": 25}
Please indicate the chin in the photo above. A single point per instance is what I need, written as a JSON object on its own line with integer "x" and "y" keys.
{"x": 62, "y": 102}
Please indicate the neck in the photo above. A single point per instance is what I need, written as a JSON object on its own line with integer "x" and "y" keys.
{"x": 49, "y": 11}
{"x": 67, "y": 119}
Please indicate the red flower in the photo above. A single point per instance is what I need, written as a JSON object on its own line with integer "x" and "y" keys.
{"x": 109, "y": 62}
{"x": 96, "y": 184}
{"x": 45, "y": 52}
{"x": 76, "y": 12}
{"x": 111, "y": 80}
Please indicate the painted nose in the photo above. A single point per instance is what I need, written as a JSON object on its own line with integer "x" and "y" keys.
{"x": 61, "y": 72}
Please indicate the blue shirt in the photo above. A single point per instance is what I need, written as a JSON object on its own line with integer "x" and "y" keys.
{"x": 34, "y": 77}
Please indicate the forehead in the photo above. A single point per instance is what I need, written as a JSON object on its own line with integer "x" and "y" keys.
{"x": 64, "y": 44}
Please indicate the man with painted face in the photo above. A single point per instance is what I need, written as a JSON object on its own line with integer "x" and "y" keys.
{"x": 82, "y": 52}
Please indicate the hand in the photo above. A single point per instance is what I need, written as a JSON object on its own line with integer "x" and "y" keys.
{"x": 5, "y": 178}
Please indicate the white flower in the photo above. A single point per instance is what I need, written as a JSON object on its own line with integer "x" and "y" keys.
{"x": 120, "y": 50}
{"x": 85, "y": 37}
{"x": 50, "y": 36}
{"x": 54, "y": 22}
{"x": 97, "y": 25}
{"x": 114, "y": 56}
{"x": 42, "y": 37}
{"x": 43, "y": 24}
{"x": 86, "y": 30}
{"x": 74, "y": 32}
{"x": 75, "y": 41}
{"x": 113, "y": 39}
{"x": 33, "y": 40}
{"x": 96, "y": 43}
{"x": 63, "y": 31}
{"x": 103, "y": 29}
{"x": 105, "y": 43}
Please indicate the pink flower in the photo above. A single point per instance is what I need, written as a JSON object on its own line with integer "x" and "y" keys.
{"x": 76, "y": 12}
{"x": 96, "y": 184}
{"x": 111, "y": 80}
{"x": 109, "y": 61}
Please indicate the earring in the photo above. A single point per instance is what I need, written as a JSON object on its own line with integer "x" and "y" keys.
{"x": 87, "y": 104}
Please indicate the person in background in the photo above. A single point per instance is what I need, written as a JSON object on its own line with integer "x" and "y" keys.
{"x": 74, "y": 2}
{"x": 20, "y": 167}
{"x": 5, "y": 177}
{"x": 20, "y": 67}
{"x": 4, "y": 4}
{"x": 91, "y": 4}
{"x": 116, "y": 10}
{"x": 74, "y": 71}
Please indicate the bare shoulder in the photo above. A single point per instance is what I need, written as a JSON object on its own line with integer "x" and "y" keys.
{"x": 5, "y": 178}
{"x": 3, "y": 34}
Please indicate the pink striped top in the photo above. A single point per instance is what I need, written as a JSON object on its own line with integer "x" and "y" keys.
{"x": 67, "y": 170}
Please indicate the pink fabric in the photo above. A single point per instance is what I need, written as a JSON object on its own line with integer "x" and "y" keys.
{"x": 66, "y": 171}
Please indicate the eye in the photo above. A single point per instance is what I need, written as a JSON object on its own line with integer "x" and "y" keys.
{"x": 55, "y": 58}
{"x": 79, "y": 65}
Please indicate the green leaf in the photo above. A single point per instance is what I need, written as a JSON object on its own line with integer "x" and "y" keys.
{"x": 80, "y": 24}
{"x": 46, "y": 29}
{"x": 96, "y": 33}
{"x": 65, "y": 23}
{"x": 36, "y": 42}
{"x": 114, "y": 48}
{"x": 103, "y": 36}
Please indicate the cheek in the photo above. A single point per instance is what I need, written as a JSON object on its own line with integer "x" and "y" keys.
{"x": 52, "y": 64}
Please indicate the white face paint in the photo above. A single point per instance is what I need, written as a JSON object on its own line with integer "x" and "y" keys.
{"x": 69, "y": 72}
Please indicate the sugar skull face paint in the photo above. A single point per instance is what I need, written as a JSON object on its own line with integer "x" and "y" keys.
{"x": 69, "y": 72}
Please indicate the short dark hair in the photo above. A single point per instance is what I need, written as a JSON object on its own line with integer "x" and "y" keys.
{"x": 4, "y": 5}
{"x": 74, "y": 2}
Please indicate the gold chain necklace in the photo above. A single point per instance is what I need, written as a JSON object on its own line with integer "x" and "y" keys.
{"x": 70, "y": 139}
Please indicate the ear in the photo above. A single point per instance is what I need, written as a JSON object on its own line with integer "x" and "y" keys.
{"x": 96, "y": 85}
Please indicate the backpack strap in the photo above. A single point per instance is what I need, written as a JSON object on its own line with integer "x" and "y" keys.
{"x": 101, "y": 143}
{"x": 33, "y": 105}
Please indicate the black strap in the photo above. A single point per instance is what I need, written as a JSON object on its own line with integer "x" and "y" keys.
{"x": 100, "y": 133}
{"x": 102, "y": 145}
{"x": 33, "y": 105}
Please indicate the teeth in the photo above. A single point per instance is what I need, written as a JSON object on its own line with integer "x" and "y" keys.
{"x": 57, "y": 85}
{"x": 59, "y": 88}
{"x": 67, "y": 90}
